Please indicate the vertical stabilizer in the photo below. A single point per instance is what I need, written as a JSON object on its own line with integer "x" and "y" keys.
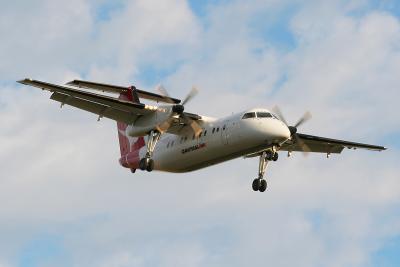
{"x": 129, "y": 146}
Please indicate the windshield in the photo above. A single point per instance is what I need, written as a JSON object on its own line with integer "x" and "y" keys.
{"x": 264, "y": 115}
{"x": 249, "y": 115}
{"x": 261, "y": 115}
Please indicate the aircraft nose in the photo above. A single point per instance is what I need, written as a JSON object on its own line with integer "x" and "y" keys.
{"x": 284, "y": 132}
{"x": 278, "y": 131}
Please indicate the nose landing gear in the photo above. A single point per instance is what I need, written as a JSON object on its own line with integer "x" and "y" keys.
{"x": 260, "y": 184}
{"x": 147, "y": 163}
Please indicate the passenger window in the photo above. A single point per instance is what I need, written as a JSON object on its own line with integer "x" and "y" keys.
{"x": 249, "y": 115}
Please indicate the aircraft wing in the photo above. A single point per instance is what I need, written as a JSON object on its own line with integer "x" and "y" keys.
{"x": 104, "y": 106}
{"x": 319, "y": 144}
{"x": 118, "y": 89}
{"x": 326, "y": 145}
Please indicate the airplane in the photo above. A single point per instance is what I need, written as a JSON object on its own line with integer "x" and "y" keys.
{"x": 167, "y": 138}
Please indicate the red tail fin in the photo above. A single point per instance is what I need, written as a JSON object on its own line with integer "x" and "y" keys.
{"x": 129, "y": 146}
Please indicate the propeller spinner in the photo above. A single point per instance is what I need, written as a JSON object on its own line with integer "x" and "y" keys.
{"x": 179, "y": 109}
{"x": 293, "y": 129}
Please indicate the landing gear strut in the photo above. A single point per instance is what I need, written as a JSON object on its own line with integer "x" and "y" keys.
{"x": 260, "y": 184}
{"x": 147, "y": 163}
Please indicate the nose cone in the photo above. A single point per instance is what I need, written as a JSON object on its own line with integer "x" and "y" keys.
{"x": 265, "y": 130}
{"x": 285, "y": 132}
{"x": 278, "y": 131}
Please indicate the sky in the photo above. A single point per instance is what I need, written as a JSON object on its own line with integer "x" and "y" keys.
{"x": 65, "y": 201}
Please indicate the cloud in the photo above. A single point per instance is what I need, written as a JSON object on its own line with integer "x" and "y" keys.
{"x": 147, "y": 31}
{"x": 60, "y": 175}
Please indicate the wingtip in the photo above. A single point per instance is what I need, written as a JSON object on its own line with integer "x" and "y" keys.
{"x": 24, "y": 81}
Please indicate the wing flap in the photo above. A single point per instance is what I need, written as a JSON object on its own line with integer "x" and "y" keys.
{"x": 118, "y": 89}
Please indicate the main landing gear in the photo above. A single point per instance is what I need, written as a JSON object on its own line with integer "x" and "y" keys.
{"x": 147, "y": 163}
{"x": 260, "y": 184}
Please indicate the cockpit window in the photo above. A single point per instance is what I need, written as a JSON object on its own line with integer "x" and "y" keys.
{"x": 264, "y": 115}
{"x": 249, "y": 115}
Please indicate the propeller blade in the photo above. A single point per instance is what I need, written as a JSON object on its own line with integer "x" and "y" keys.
{"x": 293, "y": 129}
{"x": 278, "y": 113}
{"x": 163, "y": 92}
{"x": 193, "y": 124}
{"x": 193, "y": 92}
{"x": 163, "y": 127}
{"x": 302, "y": 145}
{"x": 303, "y": 119}
{"x": 196, "y": 128}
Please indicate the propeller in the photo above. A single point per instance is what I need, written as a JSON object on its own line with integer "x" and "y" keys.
{"x": 193, "y": 92}
{"x": 178, "y": 109}
{"x": 293, "y": 129}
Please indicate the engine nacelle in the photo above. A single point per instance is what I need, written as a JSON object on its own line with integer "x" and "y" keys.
{"x": 148, "y": 123}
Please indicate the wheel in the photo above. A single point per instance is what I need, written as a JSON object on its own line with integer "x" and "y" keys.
{"x": 256, "y": 184}
{"x": 150, "y": 165}
{"x": 275, "y": 156}
{"x": 143, "y": 164}
{"x": 269, "y": 155}
{"x": 263, "y": 185}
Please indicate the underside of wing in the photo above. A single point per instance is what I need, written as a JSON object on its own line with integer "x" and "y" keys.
{"x": 326, "y": 145}
{"x": 104, "y": 106}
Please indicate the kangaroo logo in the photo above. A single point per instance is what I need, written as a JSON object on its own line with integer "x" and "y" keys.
{"x": 131, "y": 140}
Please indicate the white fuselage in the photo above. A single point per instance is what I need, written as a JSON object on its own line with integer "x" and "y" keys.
{"x": 221, "y": 140}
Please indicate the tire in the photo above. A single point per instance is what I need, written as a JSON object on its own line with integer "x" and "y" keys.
{"x": 269, "y": 156}
{"x": 150, "y": 165}
{"x": 143, "y": 164}
{"x": 256, "y": 184}
{"x": 263, "y": 185}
